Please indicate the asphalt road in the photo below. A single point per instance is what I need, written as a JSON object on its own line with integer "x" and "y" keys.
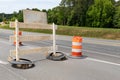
{"x": 102, "y": 61}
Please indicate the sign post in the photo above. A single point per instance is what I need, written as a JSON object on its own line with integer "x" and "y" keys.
{"x": 33, "y": 20}
{"x": 54, "y": 40}
{"x": 17, "y": 40}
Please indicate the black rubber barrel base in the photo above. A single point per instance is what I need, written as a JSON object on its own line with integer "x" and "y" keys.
{"x": 59, "y": 56}
{"x": 22, "y": 64}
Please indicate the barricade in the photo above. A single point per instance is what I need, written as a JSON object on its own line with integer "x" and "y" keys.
{"x": 76, "y": 46}
{"x": 17, "y": 52}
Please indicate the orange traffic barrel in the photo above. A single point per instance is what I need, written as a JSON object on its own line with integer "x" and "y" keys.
{"x": 20, "y": 34}
{"x": 76, "y": 46}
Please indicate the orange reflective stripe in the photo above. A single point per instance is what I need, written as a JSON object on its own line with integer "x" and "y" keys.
{"x": 76, "y": 47}
{"x": 77, "y": 54}
{"x": 77, "y": 39}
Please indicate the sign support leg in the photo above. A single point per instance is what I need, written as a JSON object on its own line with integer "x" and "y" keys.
{"x": 17, "y": 40}
{"x": 54, "y": 40}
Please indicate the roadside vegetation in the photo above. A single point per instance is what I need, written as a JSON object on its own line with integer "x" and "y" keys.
{"x": 105, "y": 33}
{"x": 100, "y": 18}
{"x": 89, "y": 13}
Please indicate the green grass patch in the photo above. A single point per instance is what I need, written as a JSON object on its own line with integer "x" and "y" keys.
{"x": 90, "y": 32}
{"x": 5, "y": 27}
{"x": 105, "y": 33}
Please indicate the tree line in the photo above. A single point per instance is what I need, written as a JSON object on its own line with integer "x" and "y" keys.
{"x": 85, "y": 13}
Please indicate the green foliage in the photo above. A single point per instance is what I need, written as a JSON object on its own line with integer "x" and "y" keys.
{"x": 5, "y": 17}
{"x": 100, "y": 14}
{"x": 35, "y": 9}
{"x": 44, "y": 10}
{"x": 117, "y": 17}
{"x": 75, "y": 10}
{"x": 13, "y": 19}
{"x": 92, "y": 13}
{"x": 20, "y": 16}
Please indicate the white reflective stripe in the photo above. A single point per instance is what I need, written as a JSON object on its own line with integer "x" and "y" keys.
{"x": 76, "y": 43}
{"x": 76, "y": 50}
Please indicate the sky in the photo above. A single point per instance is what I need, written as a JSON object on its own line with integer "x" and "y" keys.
{"x": 9, "y": 6}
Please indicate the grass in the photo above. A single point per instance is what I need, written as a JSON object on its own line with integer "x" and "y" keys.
{"x": 105, "y": 33}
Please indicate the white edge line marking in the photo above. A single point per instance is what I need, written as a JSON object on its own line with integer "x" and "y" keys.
{"x": 102, "y": 53}
{"x": 3, "y": 62}
{"x": 101, "y": 61}
{"x": 93, "y": 52}
{"x": 97, "y": 60}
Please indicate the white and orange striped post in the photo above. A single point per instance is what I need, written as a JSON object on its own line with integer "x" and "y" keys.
{"x": 76, "y": 46}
